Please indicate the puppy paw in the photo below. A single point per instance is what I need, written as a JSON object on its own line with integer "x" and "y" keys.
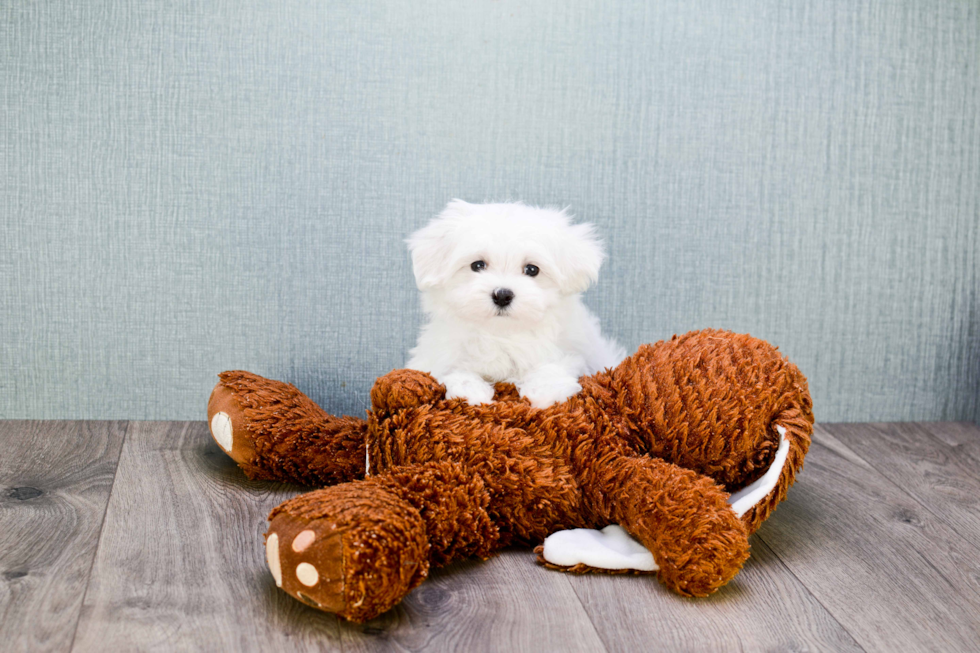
{"x": 543, "y": 391}
{"x": 468, "y": 386}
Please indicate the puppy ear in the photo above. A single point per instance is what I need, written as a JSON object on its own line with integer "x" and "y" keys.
{"x": 433, "y": 246}
{"x": 579, "y": 257}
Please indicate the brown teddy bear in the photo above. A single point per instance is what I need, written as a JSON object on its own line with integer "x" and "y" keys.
{"x": 688, "y": 445}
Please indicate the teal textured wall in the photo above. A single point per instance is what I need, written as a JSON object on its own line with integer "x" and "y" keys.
{"x": 192, "y": 187}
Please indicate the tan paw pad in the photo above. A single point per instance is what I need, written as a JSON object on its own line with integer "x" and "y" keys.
{"x": 221, "y": 430}
{"x": 272, "y": 557}
{"x": 307, "y": 574}
{"x": 303, "y": 541}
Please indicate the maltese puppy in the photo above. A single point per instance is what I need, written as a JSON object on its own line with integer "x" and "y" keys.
{"x": 501, "y": 288}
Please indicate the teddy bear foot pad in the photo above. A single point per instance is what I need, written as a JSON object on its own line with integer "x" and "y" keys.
{"x": 227, "y": 425}
{"x": 306, "y": 560}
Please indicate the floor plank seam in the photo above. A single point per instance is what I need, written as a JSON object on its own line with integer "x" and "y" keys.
{"x": 939, "y": 443}
{"x": 803, "y": 585}
{"x": 919, "y": 502}
{"x": 959, "y": 465}
{"x": 598, "y": 633}
{"x": 98, "y": 541}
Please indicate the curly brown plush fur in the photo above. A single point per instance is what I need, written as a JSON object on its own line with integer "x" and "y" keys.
{"x": 655, "y": 445}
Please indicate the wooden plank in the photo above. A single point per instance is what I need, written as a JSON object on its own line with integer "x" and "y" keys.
{"x": 764, "y": 608}
{"x": 181, "y": 565}
{"x": 507, "y": 603}
{"x": 934, "y": 473}
{"x": 55, "y": 480}
{"x": 894, "y": 575}
{"x": 962, "y": 437}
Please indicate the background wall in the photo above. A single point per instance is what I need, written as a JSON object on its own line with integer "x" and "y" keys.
{"x": 192, "y": 187}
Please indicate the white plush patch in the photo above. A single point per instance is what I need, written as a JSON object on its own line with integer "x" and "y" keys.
{"x": 272, "y": 557}
{"x": 746, "y": 498}
{"x": 303, "y": 541}
{"x": 367, "y": 459}
{"x": 610, "y": 548}
{"x": 307, "y": 574}
{"x": 221, "y": 430}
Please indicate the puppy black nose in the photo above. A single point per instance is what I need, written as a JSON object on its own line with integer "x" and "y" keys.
{"x": 502, "y": 297}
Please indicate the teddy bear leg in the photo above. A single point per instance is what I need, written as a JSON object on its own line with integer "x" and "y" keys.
{"x": 275, "y": 432}
{"x": 756, "y": 465}
{"x": 358, "y": 548}
{"x": 683, "y": 518}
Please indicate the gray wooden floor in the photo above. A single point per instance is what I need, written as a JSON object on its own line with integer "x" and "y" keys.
{"x": 122, "y": 536}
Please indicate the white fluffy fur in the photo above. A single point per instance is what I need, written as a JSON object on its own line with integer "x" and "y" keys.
{"x": 545, "y": 339}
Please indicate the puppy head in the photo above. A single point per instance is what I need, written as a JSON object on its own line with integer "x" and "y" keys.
{"x": 506, "y": 261}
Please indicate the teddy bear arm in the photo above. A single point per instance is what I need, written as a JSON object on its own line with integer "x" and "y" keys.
{"x": 405, "y": 388}
{"x": 683, "y": 518}
{"x": 275, "y": 432}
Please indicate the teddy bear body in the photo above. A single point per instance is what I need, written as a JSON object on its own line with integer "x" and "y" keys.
{"x": 656, "y": 445}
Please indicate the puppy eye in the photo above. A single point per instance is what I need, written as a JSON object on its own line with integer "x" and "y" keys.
{"x": 480, "y": 266}
{"x": 531, "y": 270}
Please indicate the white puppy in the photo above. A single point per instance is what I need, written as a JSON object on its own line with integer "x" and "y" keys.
{"x": 500, "y": 286}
